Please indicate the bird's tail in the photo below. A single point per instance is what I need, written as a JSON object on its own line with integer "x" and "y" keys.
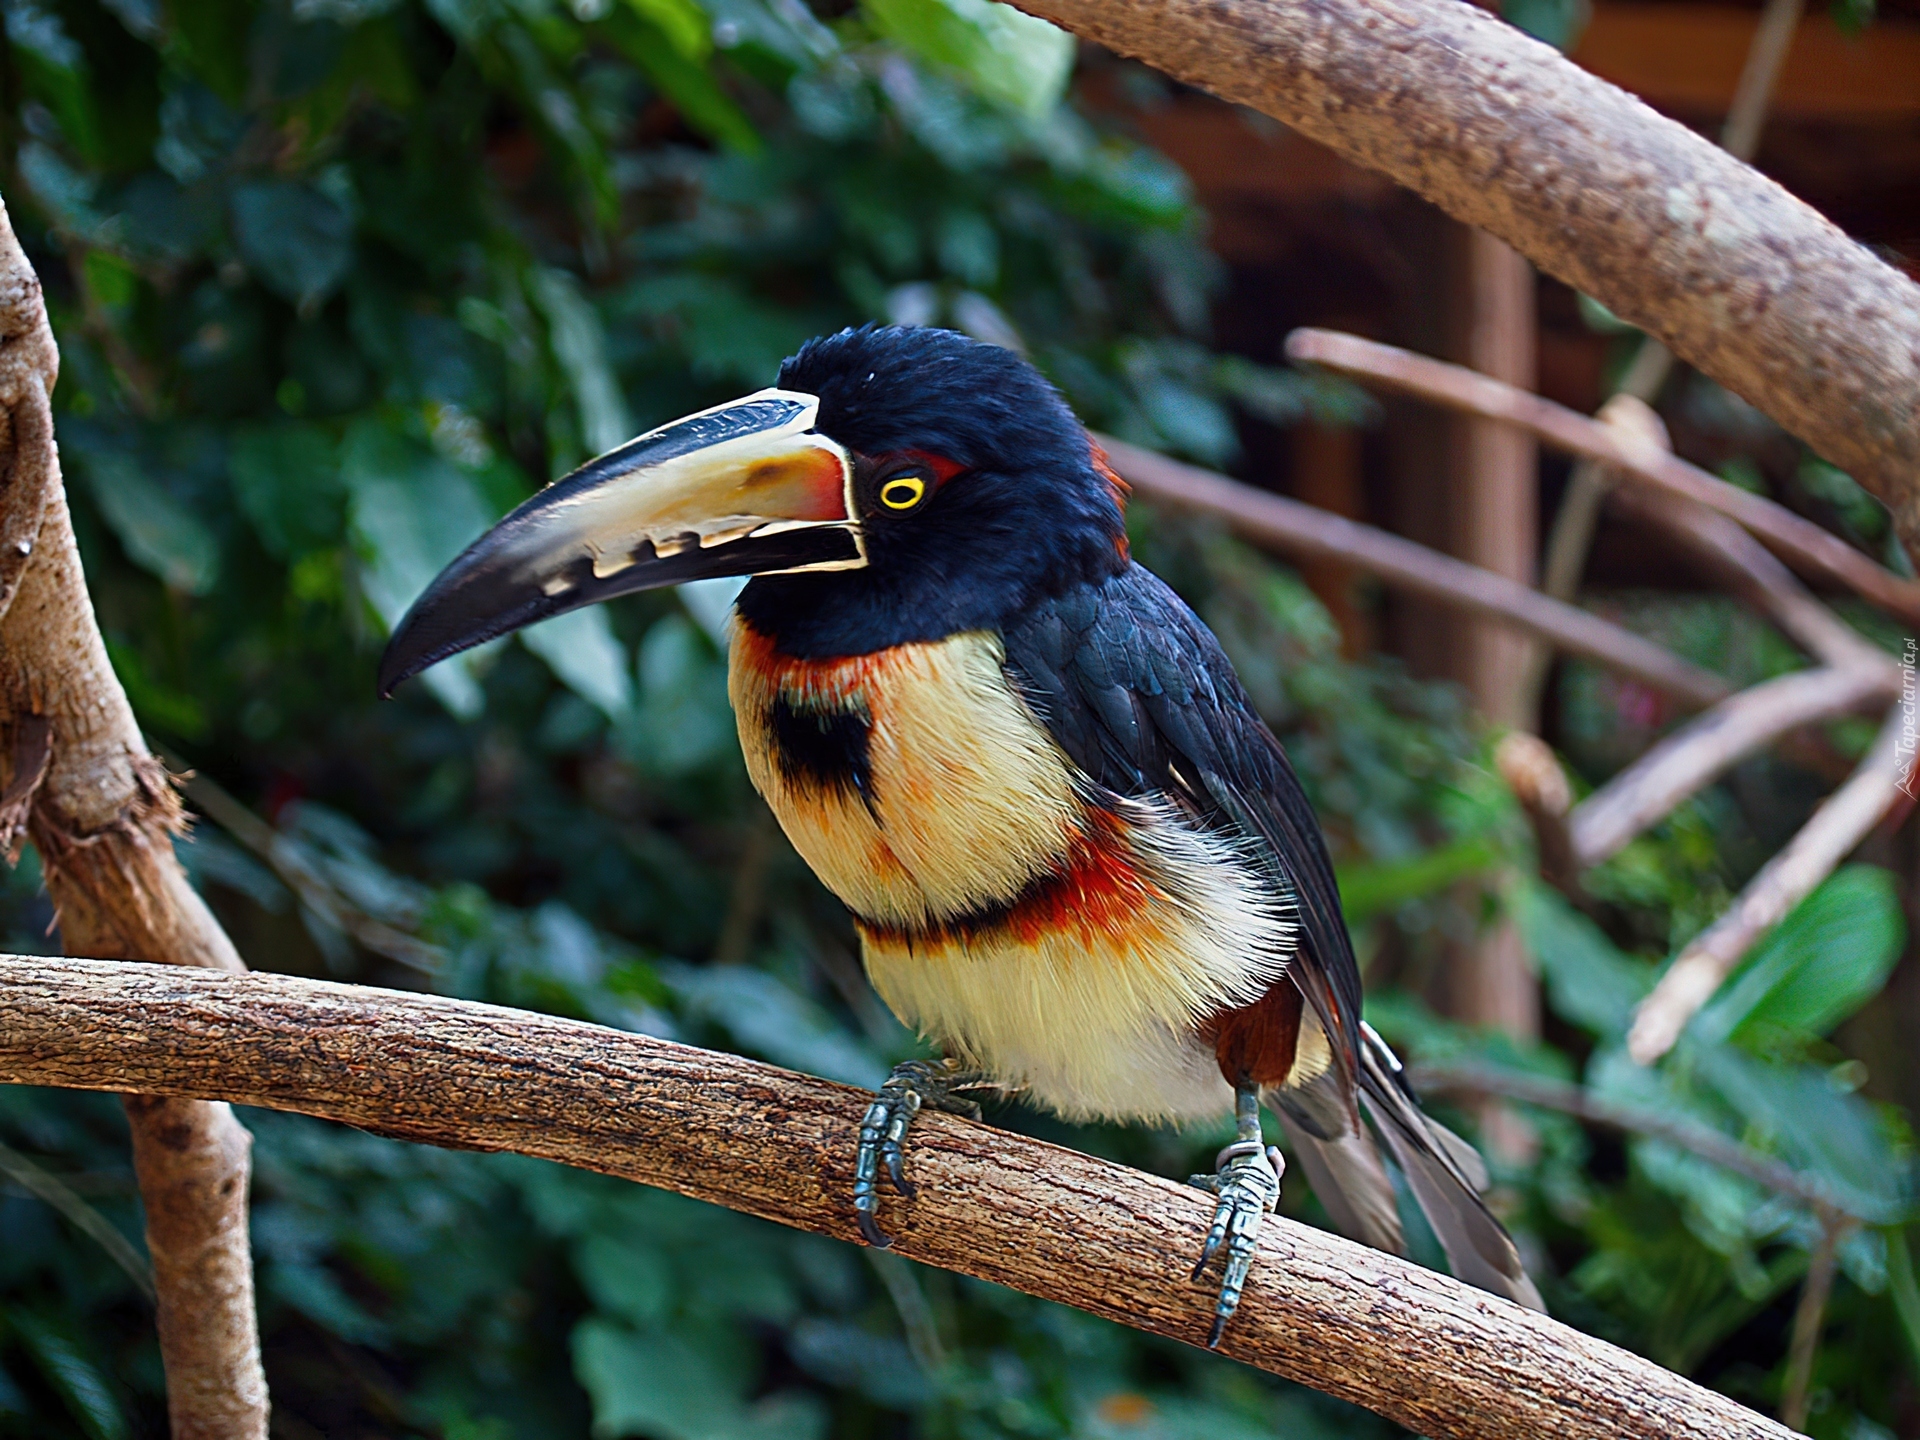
{"x": 1445, "y": 1173}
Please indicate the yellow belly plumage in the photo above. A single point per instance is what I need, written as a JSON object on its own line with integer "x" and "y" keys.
{"x": 1068, "y": 949}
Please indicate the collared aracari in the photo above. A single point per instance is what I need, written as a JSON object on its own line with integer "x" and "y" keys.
{"x": 1077, "y": 859}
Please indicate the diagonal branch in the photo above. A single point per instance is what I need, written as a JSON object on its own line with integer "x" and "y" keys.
{"x": 1570, "y": 1099}
{"x": 1668, "y": 231}
{"x": 1709, "y": 745}
{"x": 1287, "y": 525}
{"x": 1638, "y": 459}
{"x": 1842, "y": 822}
{"x": 1439, "y": 1357}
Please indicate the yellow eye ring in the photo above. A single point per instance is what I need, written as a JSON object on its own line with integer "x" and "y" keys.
{"x": 903, "y": 492}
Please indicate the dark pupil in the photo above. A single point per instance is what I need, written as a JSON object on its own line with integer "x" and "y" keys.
{"x": 901, "y": 490}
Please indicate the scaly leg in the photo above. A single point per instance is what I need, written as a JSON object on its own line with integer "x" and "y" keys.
{"x": 1247, "y": 1181}
{"x": 883, "y": 1131}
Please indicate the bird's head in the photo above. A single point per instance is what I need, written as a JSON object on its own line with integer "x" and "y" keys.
{"x": 896, "y": 485}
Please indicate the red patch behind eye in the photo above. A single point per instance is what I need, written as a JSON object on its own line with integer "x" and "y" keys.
{"x": 943, "y": 469}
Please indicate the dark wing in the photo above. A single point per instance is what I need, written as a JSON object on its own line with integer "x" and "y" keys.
{"x": 1139, "y": 694}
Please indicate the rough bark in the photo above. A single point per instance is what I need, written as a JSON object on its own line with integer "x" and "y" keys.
{"x": 1439, "y": 1357}
{"x": 1670, "y": 232}
{"x": 80, "y": 782}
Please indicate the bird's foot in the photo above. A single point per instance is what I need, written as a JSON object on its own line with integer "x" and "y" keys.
{"x": 883, "y": 1131}
{"x": 1247, "y": 1181}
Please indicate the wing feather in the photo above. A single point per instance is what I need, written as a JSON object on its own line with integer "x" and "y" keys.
{"x": 1139, "y": 694}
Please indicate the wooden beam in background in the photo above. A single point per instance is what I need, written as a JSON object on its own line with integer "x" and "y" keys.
{"x": 1688, "y": 57}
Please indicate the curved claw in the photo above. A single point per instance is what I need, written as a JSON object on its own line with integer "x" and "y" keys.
{"x": 894, "y": 1154}
{"x": 1248, "y": 1185}
{"x": 883, "y": 1134}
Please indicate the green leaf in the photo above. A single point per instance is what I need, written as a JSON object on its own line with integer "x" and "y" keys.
{"x": 1558, "y": 22}
{"x": 1588, "y": 980}
{"x": 156, "y": 704}
{"x": 626, "y": 1276}
{"x": 683, "y": 76}
{"x": 771, "y": 1020}
{"x": 1830, "y": 956}
{"x": 669, "y": 1386}
{"x": 409, "y": 513}
{"x": 1008, "y": 57}
{"x": 580, "y": 346}
{"x": 73, "y": 1374}
{"x": 299, "y": 242}
{"x": 287, "y": 480}
{"x": 580, "y": 648}
{"x": 1905, "y": 1290}
{"x": 1366, "y": 890}
{"x": 682, "y": 22}
{"x": 160, "y": 534}
{"x": 1798, "y": 1110}
{"x": 683, "y": 720}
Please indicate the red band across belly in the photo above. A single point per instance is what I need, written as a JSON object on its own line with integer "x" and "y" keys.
{"x": 1096, "y": 892}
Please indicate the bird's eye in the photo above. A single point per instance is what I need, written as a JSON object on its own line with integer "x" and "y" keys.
{"x": 903, "y": 492}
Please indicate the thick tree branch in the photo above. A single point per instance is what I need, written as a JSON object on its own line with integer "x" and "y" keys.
{"x": 80, "y": 782}
{"x": 1434, "y": 1355}
{"x": 1636, "y": 457}
{"x": 1667, "y": 230}
{"x": 1287, "y": 525}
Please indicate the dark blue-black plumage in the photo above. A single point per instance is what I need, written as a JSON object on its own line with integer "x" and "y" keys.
{"x": 1136, "y": 690}
{"x": 1027, "y": 517}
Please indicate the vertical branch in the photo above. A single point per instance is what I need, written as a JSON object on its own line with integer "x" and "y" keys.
{"x": 1497, "y": 527}
{"x": 81, "y": 784}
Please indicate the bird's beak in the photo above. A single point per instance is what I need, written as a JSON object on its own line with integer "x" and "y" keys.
{"x": 747, "y": 488}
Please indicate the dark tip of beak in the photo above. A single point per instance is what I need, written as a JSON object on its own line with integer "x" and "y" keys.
{"x": 775, "y": 483}
{"x": 476, "y": 598}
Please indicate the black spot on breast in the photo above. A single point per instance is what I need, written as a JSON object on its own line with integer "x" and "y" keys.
{"x": 823, "y": 748}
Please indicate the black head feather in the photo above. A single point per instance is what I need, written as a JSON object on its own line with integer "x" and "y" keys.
{"x": 1025, "y": 516}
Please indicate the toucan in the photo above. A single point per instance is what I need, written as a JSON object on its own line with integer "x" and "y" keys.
{"x": 1078, "y": 861}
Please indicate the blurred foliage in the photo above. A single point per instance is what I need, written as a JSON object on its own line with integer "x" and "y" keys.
{"x": 339, "y": 281}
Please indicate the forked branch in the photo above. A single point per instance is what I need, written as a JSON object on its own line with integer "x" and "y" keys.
{"x": 78, "y": 779}
{"x": 1434, "y": 1355}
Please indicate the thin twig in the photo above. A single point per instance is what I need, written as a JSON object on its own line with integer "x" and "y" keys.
{"x": 1839, "y": 825}
{"x": 1534, "y": 774}
{"x": 1755, "y": 574}
{"x": 1579, "y": 515}
{"x": 1289, "y": 526}
{"x": 1441, "y": 1358}
{"x": 1809, "y": 1319}
{"x": 1800, "y": 541}
{"x": 910, "y": 1304}
{"x": 1709, "y": 745}
{"x": 1570, "y": 1099}
{"x": 1766, "y": 54}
